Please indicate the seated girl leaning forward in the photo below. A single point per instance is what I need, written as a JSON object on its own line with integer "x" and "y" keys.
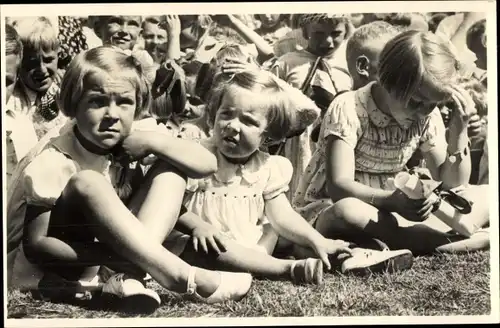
{"x": 239, "y": 207}
{"x": 82, "y": 188}
{"x": 368, "y": 136}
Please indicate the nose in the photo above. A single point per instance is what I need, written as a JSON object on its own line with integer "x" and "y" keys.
{"x": 329, "y": 40}
{"x": 233, "y": 126}
{"x": 112, "y": 111}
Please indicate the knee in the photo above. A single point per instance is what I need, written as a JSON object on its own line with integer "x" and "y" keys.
{"x": 348, "y": 209}
{"x": 83, "y": 182}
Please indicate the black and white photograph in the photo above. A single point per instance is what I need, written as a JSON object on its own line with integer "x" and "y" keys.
{"x": 244, "y": 161}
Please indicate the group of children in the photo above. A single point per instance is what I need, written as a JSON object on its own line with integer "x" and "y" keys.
{"x": 192, "y": 151}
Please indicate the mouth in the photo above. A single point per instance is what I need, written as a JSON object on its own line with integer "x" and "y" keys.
{"x": 41, "y": 79}
{"x": 230, "y": 140}
{"x": 109, "y": 130}
{"x": 119, "y": 40}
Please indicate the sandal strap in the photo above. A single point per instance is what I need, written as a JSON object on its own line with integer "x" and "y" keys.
{"x": 191, "y": 284}
{"x": 292, "y": 269}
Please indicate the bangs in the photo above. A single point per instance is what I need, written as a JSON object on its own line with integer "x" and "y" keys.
{"x": 89, "y": 69}
{"x": 417, "y": 64}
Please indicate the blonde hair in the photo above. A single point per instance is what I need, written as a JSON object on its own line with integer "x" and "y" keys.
{"x": 412, "y": 59}
{"x": 37, "y": 33}
{"x": 283, "y": 103}
{"x": 97, "y": 61}
{"x": 205, "y": 80}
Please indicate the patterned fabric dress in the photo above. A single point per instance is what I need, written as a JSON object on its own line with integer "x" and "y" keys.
{"x": 72, "y": 40}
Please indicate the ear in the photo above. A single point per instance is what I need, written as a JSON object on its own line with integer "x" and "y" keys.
{"x": 363, "y": 66}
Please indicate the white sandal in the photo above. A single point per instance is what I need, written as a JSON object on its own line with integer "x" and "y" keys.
{"x": 233, "y": 286}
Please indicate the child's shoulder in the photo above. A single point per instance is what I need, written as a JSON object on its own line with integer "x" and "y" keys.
{"x": 51, "y": 162}
{"x": 45, "y": 177}
{"x": 275, "y": 163}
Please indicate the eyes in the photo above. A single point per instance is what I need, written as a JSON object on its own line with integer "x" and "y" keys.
{"x": 99, "y": 101}
{"x": 34, "y": 62}
{"x": 116, "y": 20}
{"x": 245, "y": 118}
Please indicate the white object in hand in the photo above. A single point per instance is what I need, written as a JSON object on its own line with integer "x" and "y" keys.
{"x": 413, "y": 187}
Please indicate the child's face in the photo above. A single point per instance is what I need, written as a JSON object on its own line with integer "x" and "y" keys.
{"x": 38, "y": 69}
{"x": 121, "y": 31}
{"x": 419, "y": 106}
{"x": 325, "y": 38}
{"x": 239, "y": 125}
{"x": 269, "y": 20}
{"x": 12, "y": 66}
{"x": 155, "y": 39}
{"x": 106, "y": 110}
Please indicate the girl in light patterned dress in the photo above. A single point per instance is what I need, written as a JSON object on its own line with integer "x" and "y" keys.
{"x": 236, "y": 211}
{"x": 367, "y": 137}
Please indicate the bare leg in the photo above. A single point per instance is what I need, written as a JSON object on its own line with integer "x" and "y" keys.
{"x": 269, "y": 238}
{"x": 352, "y": 216}
{"x": 117, "y": 228}
{"x": 240, "y": 259}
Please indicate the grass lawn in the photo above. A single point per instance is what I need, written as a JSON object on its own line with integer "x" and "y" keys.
{"x": 437, "y": 285}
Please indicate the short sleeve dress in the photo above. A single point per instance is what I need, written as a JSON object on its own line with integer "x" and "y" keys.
{"x": 233, "y": 198}
{"x": 381, "y": 147}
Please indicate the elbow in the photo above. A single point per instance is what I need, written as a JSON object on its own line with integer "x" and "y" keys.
{"x": 336, "y": 189}
{"x": 203, "y": 165}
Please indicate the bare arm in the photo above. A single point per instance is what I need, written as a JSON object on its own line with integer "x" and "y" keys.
{"x": 189, "y": 157}
{"x": 340, "y": 170}
{"x": 263, "y": 47}
{"x": 173, "y": 27}
{"x": 289, "y": 223}
{"x": 452, "y": 174}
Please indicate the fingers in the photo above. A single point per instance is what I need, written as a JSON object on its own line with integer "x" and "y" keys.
{"x": 344, "y": 250}
{"x": 220, "y": 242}
{"x": 324, "y": 258}
{"x": 195, "y": 244}
{"x": 214, "y": 245}
{"x": 203, "y": 243}
{"x": 424, "y": 212}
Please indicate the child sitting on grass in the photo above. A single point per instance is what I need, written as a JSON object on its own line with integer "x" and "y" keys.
{"x": 83, "y": 202}
{"x": 369, "y": 134}
{"x": 236, "y": 210}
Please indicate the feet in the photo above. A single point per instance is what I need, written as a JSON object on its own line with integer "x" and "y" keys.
{"x": 367, "y": 261}
{"x": 308, "y": 271}
{"x": 233, "y": 286}
{"x": 132, "y": 292}
{"x": 54, "y": 288}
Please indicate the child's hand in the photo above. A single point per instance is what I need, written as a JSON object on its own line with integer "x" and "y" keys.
{"x": 325, "y": 247}
{"x": 208, "y": 234}
{"x": 464, "y": 109}
{"x": 173, "y": 25}
{"x": 475, "y": 126}
{"x": 135, "y": 147}
{"x": 234, "y": 66}
{"x": 416, "y": 210}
